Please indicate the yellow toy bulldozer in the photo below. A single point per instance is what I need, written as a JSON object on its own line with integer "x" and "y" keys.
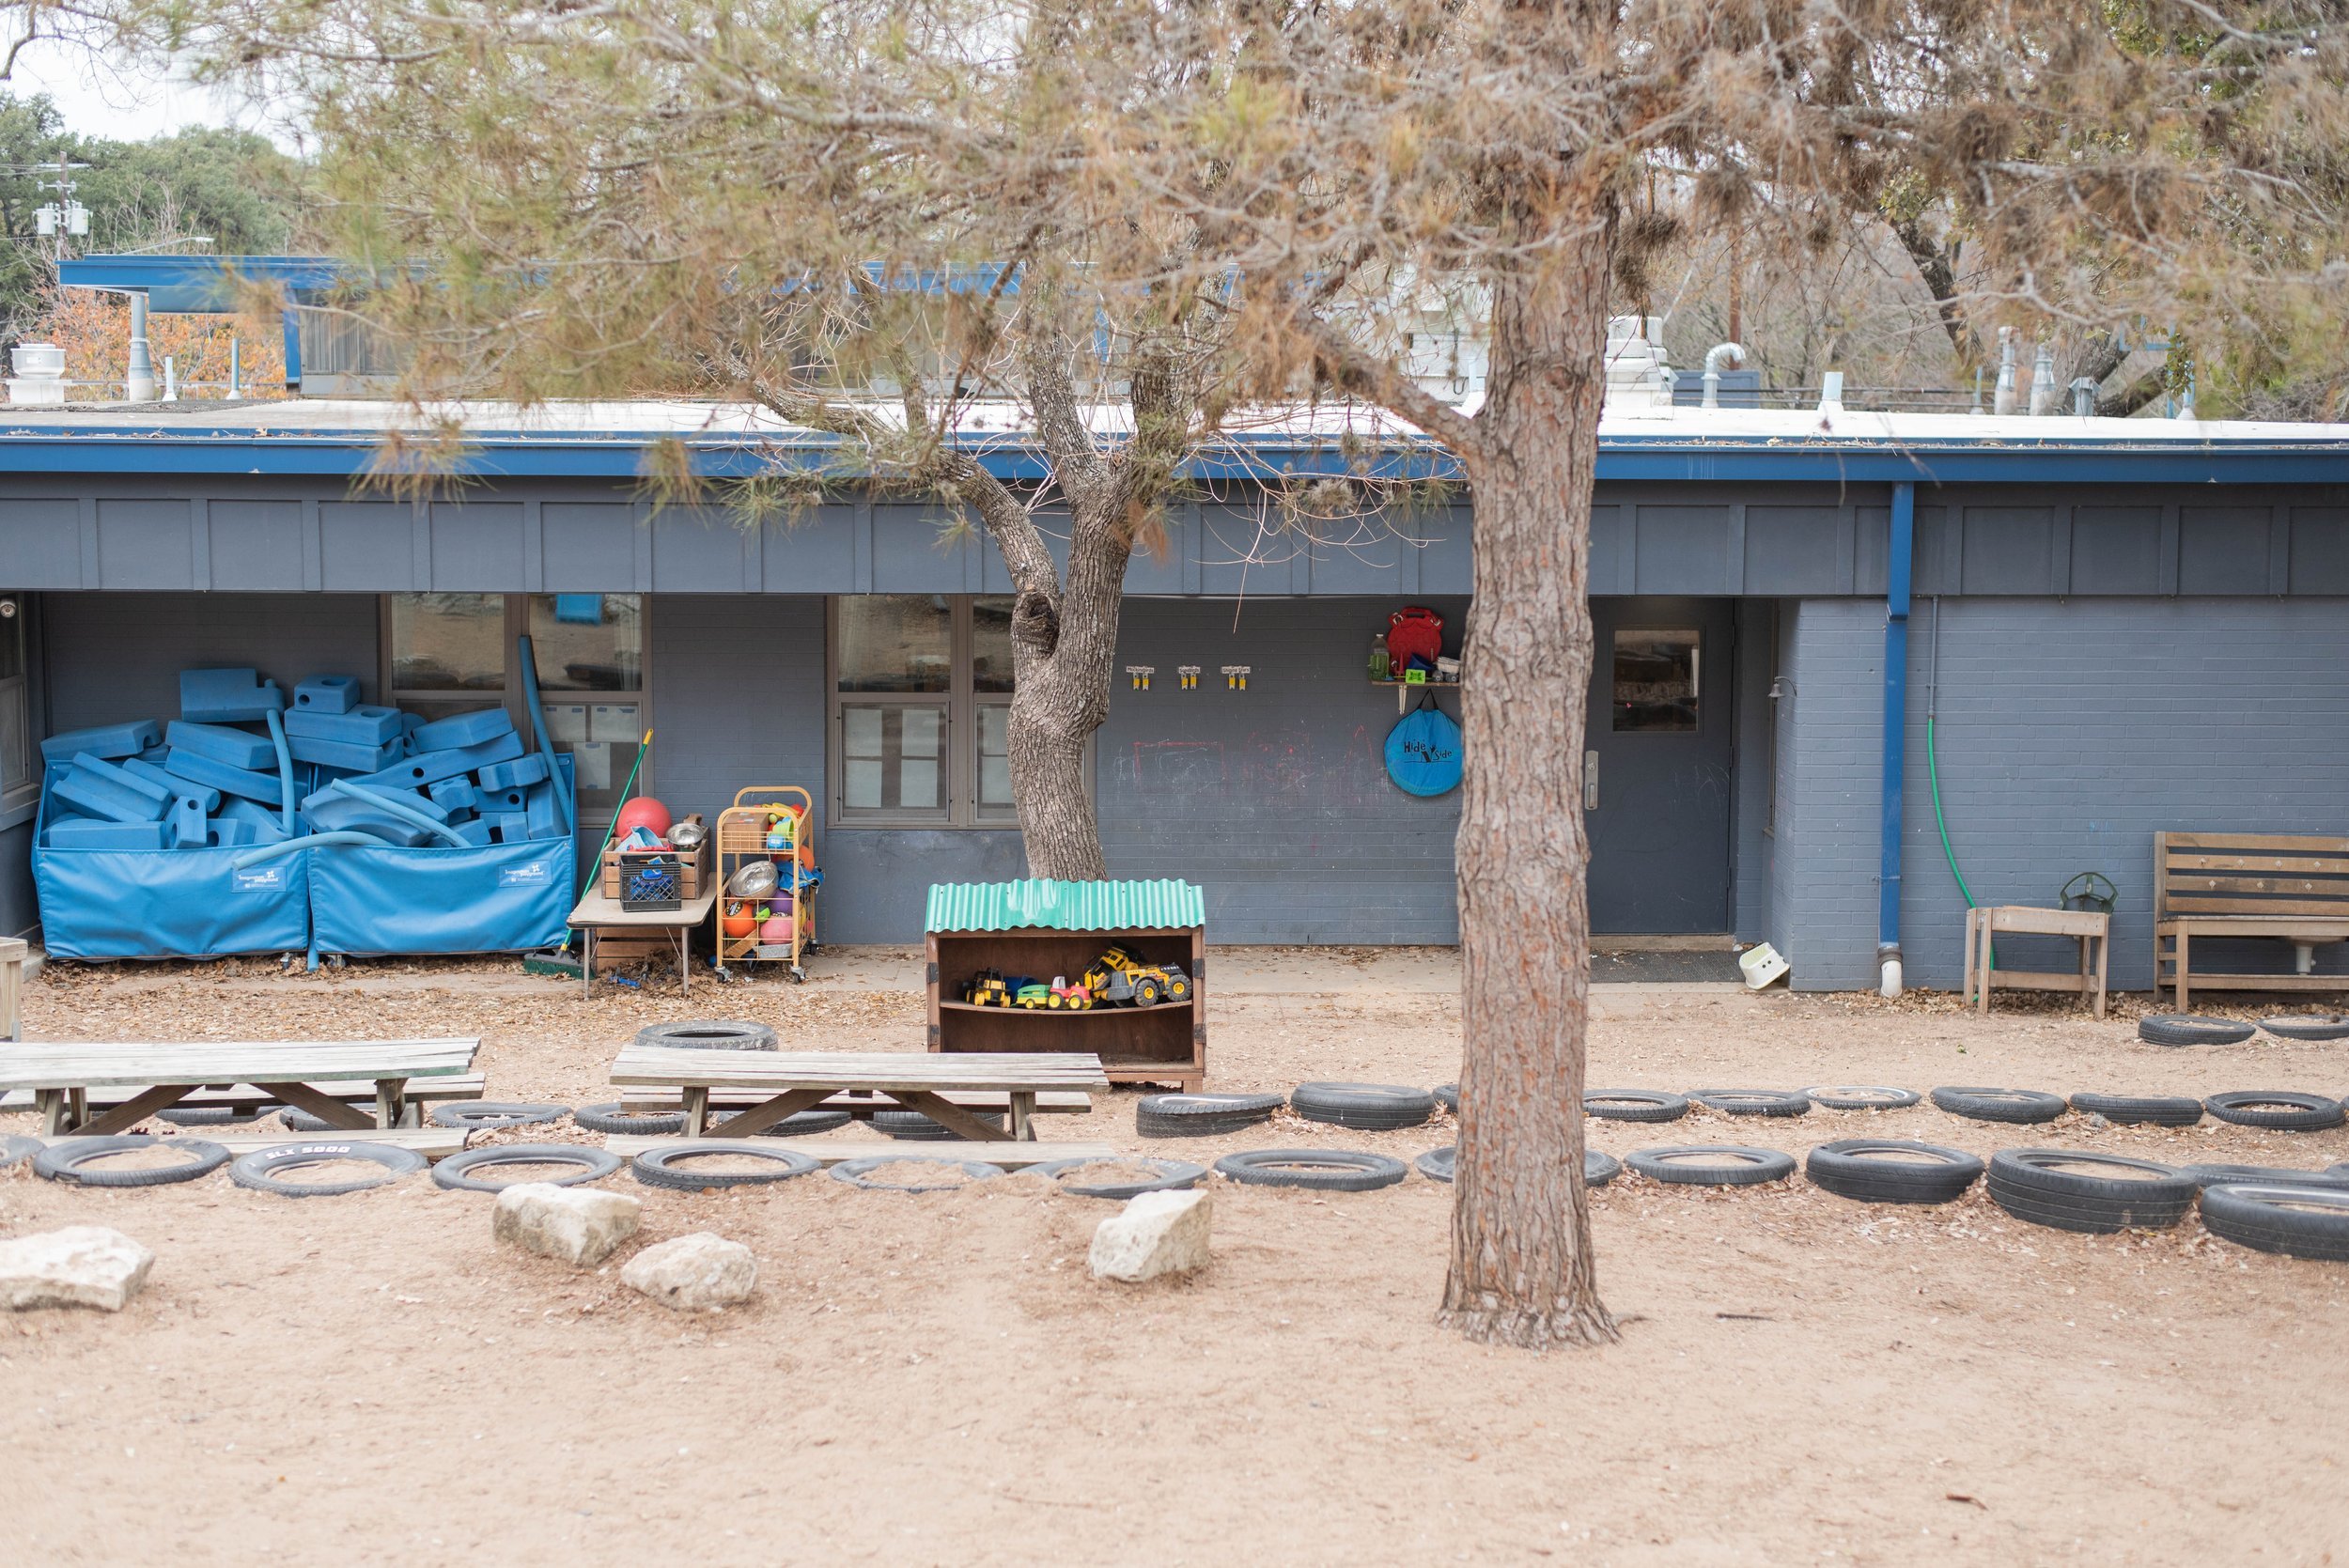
{"x": 1118, "y": 976}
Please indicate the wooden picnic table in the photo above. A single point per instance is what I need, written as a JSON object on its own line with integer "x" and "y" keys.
{"x": 797, "y": 1080}
{"x": 60, "y": 1074}
{"x": 598, "y": 913}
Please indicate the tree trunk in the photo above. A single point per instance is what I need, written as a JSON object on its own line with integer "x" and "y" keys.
{"x": 1063, "y": 643}
{"x": 1049, "y": 731}
{"x": 1521, "y": 1270}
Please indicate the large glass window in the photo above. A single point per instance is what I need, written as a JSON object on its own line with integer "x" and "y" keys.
{"x": 1655, "y": 681}
{"x": 922, "y": 709}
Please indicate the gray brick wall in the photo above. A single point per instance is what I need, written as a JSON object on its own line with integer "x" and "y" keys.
{"x": 2069, "y": 732}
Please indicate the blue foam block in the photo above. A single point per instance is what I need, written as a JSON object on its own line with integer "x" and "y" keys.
{"x": 508, "y": 827}
{"x": 263, "y": 787}
{"x": 364, "y": 726}
{"x": 228, "y": 696}
{"x": 189, "y": 829}
{"x": 415, "y": 802}
{"x": 105, "y": 741}
{"x": 455, "y": 793}
{"x": 463, "y": 729}
{"x": 225, "y": 832}
{"x": 325, "y": 694}
{"x": 247, "y": 811}
{"x": 430, "y": 767}
{"x": 505, "y": 800}
{"x": 516, "y": 774}
{"x": 180, "y": 788}
{"x": 340, "y": 812}
{"x": 81, "y": 833}
{"x": 545, "y": 811}
{"x": 475, "y": 831}
{"x": 351, "y": 756}
{"x": 236, "y": 748}
{"x": 103, "y": 790}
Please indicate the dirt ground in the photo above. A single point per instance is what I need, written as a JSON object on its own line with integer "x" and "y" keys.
{"x": 934, "y": 1379}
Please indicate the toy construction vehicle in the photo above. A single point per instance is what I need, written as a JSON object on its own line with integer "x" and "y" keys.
{"x": 987, "y": 990}
{"x": 1118, "y": 976}
{"x": 1075, "y": 998}
{"x": 1032, "y": 996}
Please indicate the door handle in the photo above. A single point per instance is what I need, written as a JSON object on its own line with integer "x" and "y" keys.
{"x": 1590, "y": 780}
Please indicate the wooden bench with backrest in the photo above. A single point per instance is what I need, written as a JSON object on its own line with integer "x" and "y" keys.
{"x": 2294, "y": 888}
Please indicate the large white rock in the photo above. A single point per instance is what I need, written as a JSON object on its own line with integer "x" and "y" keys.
{"x": 571, "y": 1224}
{"x": 695, "y": 1273}
{"x": 1157, "y": 1233}
{"x": 82, "y": 1266}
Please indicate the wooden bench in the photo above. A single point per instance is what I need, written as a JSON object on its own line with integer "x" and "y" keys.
{"x": 793, "y": 1082}
{"x": 2294, "y": 888}
{"x": 1010, "y": 1155}
{"x": 860, "y": 1104}
{"x": 14, "y": 950}
{"x": 62, "y": 1074}
{"x": 246, "y": 1097}
{"x": 2091, "y": 928}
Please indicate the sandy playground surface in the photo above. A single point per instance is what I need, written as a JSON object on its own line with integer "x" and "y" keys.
{"x": 934, "y": 1379}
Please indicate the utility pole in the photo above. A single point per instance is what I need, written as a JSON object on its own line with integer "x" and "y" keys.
{"x": 64, "y": 220}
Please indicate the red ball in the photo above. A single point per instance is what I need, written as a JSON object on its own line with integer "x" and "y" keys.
{"x": 643, "y": 812}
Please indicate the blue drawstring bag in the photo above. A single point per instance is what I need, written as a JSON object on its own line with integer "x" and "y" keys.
{"x": 1423, "y": 751}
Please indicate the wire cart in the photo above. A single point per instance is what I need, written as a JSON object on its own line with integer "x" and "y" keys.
{"x": 757, "y": 827}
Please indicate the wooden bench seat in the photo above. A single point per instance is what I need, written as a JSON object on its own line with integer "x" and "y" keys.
{"x": 1058, "y": 1102}
{"x": 1011, "y": 1156}
{"x": 63, "y": 1075}
{"x": 466, "y": 1086}
{"x": 2294, "y": 888}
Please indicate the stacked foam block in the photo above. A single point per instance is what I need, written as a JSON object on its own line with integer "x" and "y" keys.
{"x": 210, "y": 778}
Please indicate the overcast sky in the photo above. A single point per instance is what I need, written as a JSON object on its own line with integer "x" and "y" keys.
{"x": 130, "y": 104}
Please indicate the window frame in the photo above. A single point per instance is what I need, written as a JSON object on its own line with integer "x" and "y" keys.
{"x": 20, "y": 801}
{"x": 962, "y": 703}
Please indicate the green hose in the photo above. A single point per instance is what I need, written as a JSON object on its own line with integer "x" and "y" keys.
{"x": 1933, "y": 771}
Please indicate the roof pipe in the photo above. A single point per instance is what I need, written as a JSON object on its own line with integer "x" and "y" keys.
{"x": 139, "y": 383}
{"x": 1718, "y": 357}
{"x": 1902, "y": 556}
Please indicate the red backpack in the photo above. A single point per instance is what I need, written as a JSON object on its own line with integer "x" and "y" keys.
{"x": 1413, "y": 631}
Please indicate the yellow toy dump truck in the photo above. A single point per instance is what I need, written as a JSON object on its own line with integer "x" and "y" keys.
{"x": 1118, "y": 976}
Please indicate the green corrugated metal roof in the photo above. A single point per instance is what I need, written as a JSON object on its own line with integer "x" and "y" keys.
{"x": 1063, "y": 905}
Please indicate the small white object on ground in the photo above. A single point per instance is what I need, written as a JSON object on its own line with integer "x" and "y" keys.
{"x": 82, "y": 1266}
{"x": 571, "y": 1224}
{"x": 1157, "y": 1233}
{"x": 693, "y": 1273}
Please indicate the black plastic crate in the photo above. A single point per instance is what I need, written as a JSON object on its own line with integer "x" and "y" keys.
{"x": 650, "y": 880}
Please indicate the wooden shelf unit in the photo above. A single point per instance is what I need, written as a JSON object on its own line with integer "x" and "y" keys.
{"x": 1166, "y": 1044}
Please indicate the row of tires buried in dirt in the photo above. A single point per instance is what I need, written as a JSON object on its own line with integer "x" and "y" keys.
{"x": 1386, "y": 1107}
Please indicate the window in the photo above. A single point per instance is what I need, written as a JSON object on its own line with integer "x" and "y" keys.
{"x": 446, "y": 653}
{"x": 19, "y": 768}
{"x": 1654, "y": 682}
{"x": 921, "y": 710}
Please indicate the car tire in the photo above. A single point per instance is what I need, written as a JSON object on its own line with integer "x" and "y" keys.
{"x": 594, "y": 1165}
{"x": 2027, "y": 1106}
{"x": 259, "y": 1170}
{"x": 210, "y": 1116}
{"x": 493, "y": 1115}
{"x": 63, "y": 1161}
{"x": 2151, "y": 1111}
{"x": 1440, "y": 1165}
{"x": 2298, "y": 1222}
{"x": 1753, "y": 1102}
{"x": 915, "y": 1127}
{"x": 806, "y": 1124}
{"x": 2033, "y": 1186}
{"x": 2265, "y": 1175}
{"x": 1448, "y": 1096}
{"x": 1365, "y": 1107}
{"x": 1634, "y": 1105}
{"x": 2277, "y": 1110}
{"x": 1711, "y": 1165}
{"x": 2191, "y": 1029}
{"x": 301, "y": 1121}
{"x": 1173, "y": 1176}
{"x": 1926, "y": 1174}
{"x": 858, "y": 1172}
{"x": 2307, "y": 1025}
{"x": 611, "y": 1118}
{"x": 1320, "y": 1170}
{"x": 658, "y": 1167}
{"x": 13, "y": 1148}
{"x": 1862, "y": 1096}
{"x": 708, "y": 1035}
{"x": 1202, "y": 1115}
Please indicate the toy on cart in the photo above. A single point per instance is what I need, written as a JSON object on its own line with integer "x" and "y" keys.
{"x": 1075, "y": 998}
{"x": 1120, "y": 978}
{"x": 767, "y": 876}
{"x": 987, "y": 990}
{"x": 1033, "y": 996}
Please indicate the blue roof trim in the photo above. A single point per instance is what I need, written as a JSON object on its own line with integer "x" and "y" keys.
{"x": 199, "y": 284}
{"x": 130, "y": 448}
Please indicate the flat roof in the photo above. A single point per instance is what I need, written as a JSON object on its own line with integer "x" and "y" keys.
{"x": 608, "y": 440}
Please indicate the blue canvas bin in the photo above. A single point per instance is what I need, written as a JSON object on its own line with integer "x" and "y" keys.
{"x": 219, "y": 743}
{"x": 105, "y": 741}
{"x": 264, "y": 787}
{"x": 228, "y": 696}
{"x": 324, "y": 694}
{"x": 105, "y": 903}
{"x": 103, "y": 790}
{"x": 361, "y": 726}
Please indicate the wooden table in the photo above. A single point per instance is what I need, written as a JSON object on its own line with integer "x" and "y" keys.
{"x": 13, "y": 951}
{"x": 596, "y": 912}
{"x": 798, "y": 1080}
{"x": 61, "y": 1074}
{"x": 2091, "y": 927}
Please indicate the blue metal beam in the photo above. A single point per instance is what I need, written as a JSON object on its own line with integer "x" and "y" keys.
{"x": 1901, "y": 557}
{"x": 200, "y": 285}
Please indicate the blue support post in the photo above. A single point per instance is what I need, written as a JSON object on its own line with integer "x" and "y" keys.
{"x": 293, "y": 354}
{"x": 1901, "y": 557}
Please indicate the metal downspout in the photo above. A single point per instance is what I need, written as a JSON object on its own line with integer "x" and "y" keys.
{"x": 1904, "y": 541}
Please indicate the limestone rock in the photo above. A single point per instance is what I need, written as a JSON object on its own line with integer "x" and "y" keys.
{"x": 82, "y": 1266}
{"x": 571, "y": 1224}
{"x": 694, "y": 1273}
{"x": 1157, "y": 1233}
